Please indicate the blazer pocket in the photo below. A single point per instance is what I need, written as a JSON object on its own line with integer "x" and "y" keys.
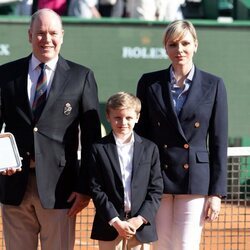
{"x": 144, "y": 163}
{"x": 202, "y": 157}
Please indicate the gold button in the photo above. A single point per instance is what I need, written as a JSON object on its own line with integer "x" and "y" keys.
{"x": 197, "y": 124}
{"x": 159, "y": 124}
{"x": 165, "y": 146}
{"x": 35, "y": 129}
{"x": 186, "y": 146}
{"x": 186, "y": 166}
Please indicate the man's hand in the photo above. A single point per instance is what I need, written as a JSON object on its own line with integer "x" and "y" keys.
{"x": 80, "y": 202}
{"x": 212, "y": 208}
{"x": 10, "y": 171}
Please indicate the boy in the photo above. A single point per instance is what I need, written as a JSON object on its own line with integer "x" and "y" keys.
{"x": 126, "y": 181}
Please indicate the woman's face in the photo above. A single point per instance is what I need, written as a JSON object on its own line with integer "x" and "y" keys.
{"x": 181, "y": 50}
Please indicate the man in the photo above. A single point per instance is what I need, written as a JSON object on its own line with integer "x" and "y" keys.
{"x": 51, "y": 189}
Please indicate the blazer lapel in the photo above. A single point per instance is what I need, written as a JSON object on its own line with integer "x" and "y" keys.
{"x": 21, "y": 93}
{"x": 138, "y": 151}
{"x": 196, "y": 95}
{"x": 111, "y": 151}
{"x": 161, "y": 93}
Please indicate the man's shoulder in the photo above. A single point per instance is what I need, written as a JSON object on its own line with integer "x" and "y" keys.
{"x": 15, "y": 63}
{"x": 14, "y": 69}
{"x": 75, "y": 65}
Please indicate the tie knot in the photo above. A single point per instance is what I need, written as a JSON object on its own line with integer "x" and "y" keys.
{"x": 42, "y": 66}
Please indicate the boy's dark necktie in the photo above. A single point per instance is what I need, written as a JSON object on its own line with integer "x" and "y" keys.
{"x": 40, "y": 93}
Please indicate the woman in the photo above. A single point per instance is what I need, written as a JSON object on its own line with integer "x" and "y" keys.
{"x": 184, "y": 111}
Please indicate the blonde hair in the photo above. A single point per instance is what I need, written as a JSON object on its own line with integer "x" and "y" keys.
{"x": 177, "y": 29}
{"x": 123, "y": 100}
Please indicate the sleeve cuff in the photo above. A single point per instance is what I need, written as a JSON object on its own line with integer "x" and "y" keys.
{"x": 111, "y": 222}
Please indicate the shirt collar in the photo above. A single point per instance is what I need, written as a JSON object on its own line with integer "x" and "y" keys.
{"x": 50, "y": 64}
{"x": 190, "y": 75}
{"x": 119, "y": 142}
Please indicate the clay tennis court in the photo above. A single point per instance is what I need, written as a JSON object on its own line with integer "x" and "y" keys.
{"x": 230, "y": 232}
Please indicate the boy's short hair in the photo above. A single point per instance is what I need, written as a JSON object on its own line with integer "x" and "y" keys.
{"x": 123, "y": 100}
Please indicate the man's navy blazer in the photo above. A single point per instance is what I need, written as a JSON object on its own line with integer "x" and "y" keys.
{"x": 193, "y": 146}
{"x": 108, "y": 192}
{"x": 53, "y": 141}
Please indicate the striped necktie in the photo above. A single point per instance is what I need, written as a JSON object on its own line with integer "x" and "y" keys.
{"x": 40, "y": 93}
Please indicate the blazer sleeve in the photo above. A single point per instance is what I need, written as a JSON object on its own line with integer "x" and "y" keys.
{"x": 1, "y": 118}
{"x": 142, "y": 127}
{"x": 89, "y": 126}
{"x": 104, "y": 206}
{"x": 154, "y": 190}
{"x": 218, "y": 138}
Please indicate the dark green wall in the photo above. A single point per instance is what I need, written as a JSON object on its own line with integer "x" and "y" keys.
{"x": 119, "y": 51}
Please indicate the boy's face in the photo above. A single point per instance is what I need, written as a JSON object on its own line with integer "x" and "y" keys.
{"x": 122, "y": 121}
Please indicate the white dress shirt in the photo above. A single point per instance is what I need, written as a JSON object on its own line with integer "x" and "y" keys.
{"x": 125, "y": 155}
{"x": 34, "y": 72}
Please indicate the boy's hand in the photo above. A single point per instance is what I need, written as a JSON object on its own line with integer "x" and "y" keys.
{"x": 124, "y": 229}
{"x": 136, "y": 222}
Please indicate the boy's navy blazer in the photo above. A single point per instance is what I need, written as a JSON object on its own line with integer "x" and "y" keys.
{"x": 193, "y": 146}
{"x": 54, "y": 136}
{"x": 108, "y": 192}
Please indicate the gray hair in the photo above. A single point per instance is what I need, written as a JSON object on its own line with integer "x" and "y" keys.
{"x": 38, "y": 13}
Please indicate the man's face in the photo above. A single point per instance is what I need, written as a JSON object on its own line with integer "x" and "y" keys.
{"x": 46, "y": 36}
